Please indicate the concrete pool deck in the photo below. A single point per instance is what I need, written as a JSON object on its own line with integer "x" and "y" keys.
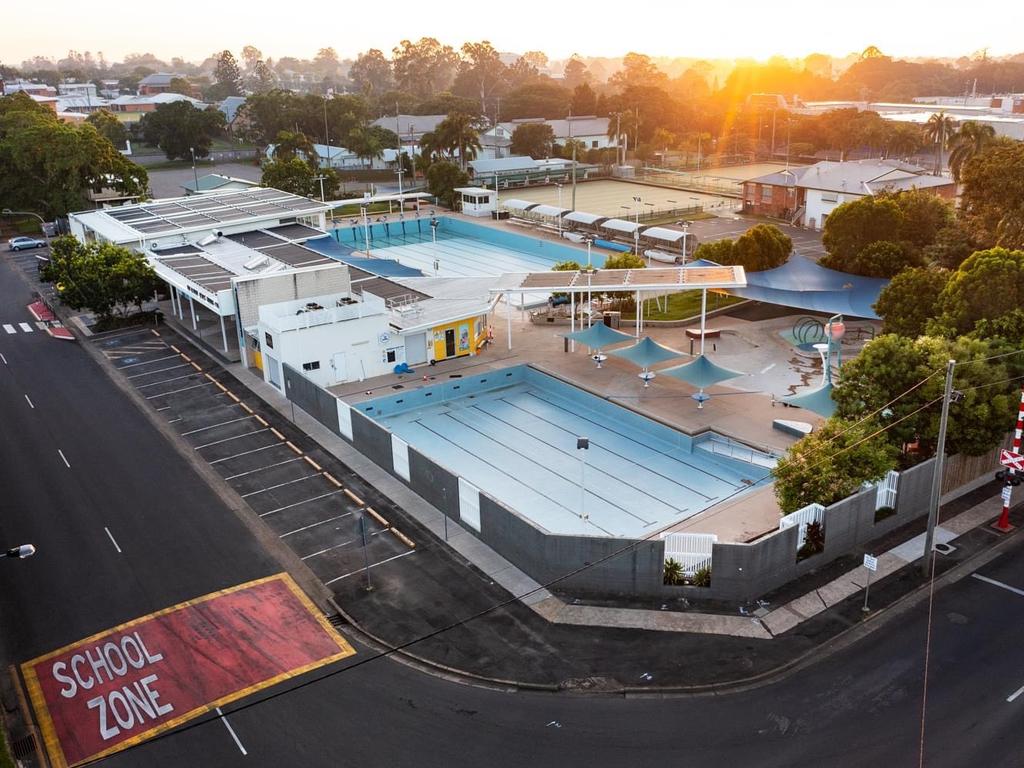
{"x": 736, "y": 412}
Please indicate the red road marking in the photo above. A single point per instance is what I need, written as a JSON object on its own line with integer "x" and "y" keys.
{"x": 123, "y": 686}
{"x": 41, "y": 312}
{"x": 60, "y": 332}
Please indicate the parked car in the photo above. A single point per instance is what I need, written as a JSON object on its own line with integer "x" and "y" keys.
{"x": 23, "y": 243}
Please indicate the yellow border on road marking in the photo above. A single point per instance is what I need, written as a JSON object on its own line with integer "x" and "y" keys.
{"x": 154, "y": 331}
{"x": 247, "y": 409}
{"x": 262, "y": 421}
{"x": 178, "y": 351}
{"x": 331, "y": 478}
{"x": 313, "y": 464}
{"x": 377, "y": 516}
{"x": 292, "y": 445}
{"x": 403, "y": 538}
{"x": 38, "y": 700}
{"x": 197, "y": 367}
{"x": 354, "y": 498}
{"x": 277, "y": 434}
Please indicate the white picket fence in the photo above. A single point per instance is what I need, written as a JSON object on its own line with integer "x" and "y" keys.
{"x": 888, "y": 488}
{"x": 691, "y": 550}
{"x": 812, "y": 513}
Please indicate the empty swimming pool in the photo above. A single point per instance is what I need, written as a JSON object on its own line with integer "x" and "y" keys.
{"x": 458, "y": 248}
{"x": 513, "y": 434}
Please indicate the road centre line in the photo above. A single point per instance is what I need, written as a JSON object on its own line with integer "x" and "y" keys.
{"x": 280, "y": 485}
{"x": 299, "y": 503}
{"x": 1000, "y": 584}
{"x": 64, "y": 458}
{"x": 164, "y": 381}
{"x": 260, "y": 469}
{"x": 30, "y": 405}
{"x": 328, "y": 549}
{"x": 1014, "y": 695}
{"x": 245, "y": 453}
{"x": 314, "y": 525}
{"x": 146, "y": 362}
{"x": 158, "y": 370}
{"x": 214, "y": 426}
{"x": 372, "y": 565}
{"x": 112, "y": 540}
{"x": 176, "y": 391}
{"x": 229, "y": 439}
{"x": 231, "y": 731}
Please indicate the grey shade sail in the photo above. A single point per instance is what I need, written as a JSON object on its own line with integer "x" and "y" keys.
{"x": 818, "y": 400}
{"x": 646, "y": 353}
{"x": 701, "y": 372}
{"x": 599, "y": 336}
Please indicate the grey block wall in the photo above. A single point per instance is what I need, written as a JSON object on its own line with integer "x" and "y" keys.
{"x": 435, "y": 484}
{"x": 317, "y": 402}
{"x": 373, "y": 441}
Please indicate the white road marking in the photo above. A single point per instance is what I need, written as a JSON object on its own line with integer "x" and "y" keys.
{"x": 372, "y": 565}
{"x": 64, "y": 458}
{"x": 214, "y": 426}
{"x": 3, "y": 358}
{"x": 172, "y": 421}
{"x": 245, "y": 453}
{"x": 40, "y": 325}
{"x": 158, "y": 370}
{"x": 145, "y": 362}
{"x": 112, "y": 541}
{"x": 314, "y": 525}
{"x": 30, "y": 405}
{"x": 176, "y": 391}
{"x": 279, "y": 485}
{"x": 299, "y": 503}
{"x": 229, "y": 439}
{"x": 1014, "y": 695}
{"x": 767, "y": 368}
{"x": 260, "y": 469}
{"x": 328, "y": 549}
{"x": 9, "y": 328}
{"x": 25, "y": 327}
{"x": 165, "y": 381}
{"x": 1000, "y": 584}
{"x": 231, "y": 731}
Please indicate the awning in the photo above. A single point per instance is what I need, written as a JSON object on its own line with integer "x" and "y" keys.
{"x": 663, "y": 233}
{"x": 621, "y": 225}
{"x": 599, "y": 336}
{"x": 646, "y": 352}
{"x": 549, "y": 210}
{"x": 701, "y": 372}
{"x": 818, "y": 400}
{"x": 581, "y": 217}
{"x": 517, "y": 205}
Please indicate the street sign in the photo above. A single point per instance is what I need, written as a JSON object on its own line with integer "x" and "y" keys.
{"x": 1006, "y": 494}
{"x": 1011, "y": 460}
{"x": 871, "y": 562}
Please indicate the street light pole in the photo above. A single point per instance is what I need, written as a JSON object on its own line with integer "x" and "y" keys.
{"x": 195, "y": 173}
{"x": 940, "y": 458}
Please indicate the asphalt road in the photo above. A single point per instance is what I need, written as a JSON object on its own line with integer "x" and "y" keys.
{"x": 859, "y": 707}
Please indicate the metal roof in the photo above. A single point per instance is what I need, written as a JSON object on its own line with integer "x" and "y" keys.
{"x": 664, "y": 233}
{"x": 550, "y": 210}
{"x": 581, "y": 217}
{"x": 647, "y": 279}
{"x": 621, "y": 225}
{"x": 518, "y": 205}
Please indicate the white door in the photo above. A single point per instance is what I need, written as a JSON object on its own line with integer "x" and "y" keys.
{"x": 416, "y": 348}
{"x": 273, "y": 370}
{"x": 340, "y": 367}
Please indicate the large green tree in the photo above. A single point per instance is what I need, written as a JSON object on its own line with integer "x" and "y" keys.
{"x": 300, "y": 178}
{"x": 424, "y": 68}
{"x": 924, "y": 215}
{"x": 227, "y": 78}
{"x": 910, "y": 300}
{"x": 443, "y": 178}
{"x": 178, "y": 128}
{"x": 763, "y": 246}
{"x": 371, "y": 73}
{"x": 459, "y": 135}
{"x": 969, "y": 141}
{"x": 992, "y": 200}
{"x": 533, "y": 140}
{"x": 48, "y": 166}
{"x": 109, "y": 127}
{"x": 854, "y": 225}
{"x": 881, "y": 258}
{"x": 831, "y": 463}
{"x": 987, "y": 285}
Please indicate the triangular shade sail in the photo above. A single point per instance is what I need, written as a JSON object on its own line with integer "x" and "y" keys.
{"x": 646, "y": 353}
{"x": 818, "y": 400}
{"x": 599, "y": 336}
{"x": 701, "y": 372}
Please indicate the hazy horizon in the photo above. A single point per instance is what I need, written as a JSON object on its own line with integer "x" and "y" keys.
{"x": 914, "y": 30}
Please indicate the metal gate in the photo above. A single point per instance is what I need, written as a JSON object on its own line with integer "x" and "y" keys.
{"x": 691, "y": 550}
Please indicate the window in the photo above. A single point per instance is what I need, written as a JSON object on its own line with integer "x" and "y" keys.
{"x": 269, "y": 339}
{"x": 829, "y": 197}
{"x": 766, "y": 194}
{"x": 313, "y": 366}
{"x": 593, "y": 144}
{"x": 392, "y": 355}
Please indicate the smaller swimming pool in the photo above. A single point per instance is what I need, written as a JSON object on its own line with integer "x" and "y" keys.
{"x": 458, "y": 248}
{"x": 513, "y": 434}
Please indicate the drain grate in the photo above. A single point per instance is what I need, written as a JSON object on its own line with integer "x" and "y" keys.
{"x": 24, "y": 748}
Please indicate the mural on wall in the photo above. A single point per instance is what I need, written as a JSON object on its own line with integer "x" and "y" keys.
{"x": 464, "y": 337}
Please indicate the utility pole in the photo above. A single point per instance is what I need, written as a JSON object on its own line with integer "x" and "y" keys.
{"x": 940, "y": 460}
{"x": 398, "y": 135}
{"x": 573, "y": 165}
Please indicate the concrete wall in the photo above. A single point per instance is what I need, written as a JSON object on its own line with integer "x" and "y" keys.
{"x": 317, "y": 402}
{"x": 255, "y": 291}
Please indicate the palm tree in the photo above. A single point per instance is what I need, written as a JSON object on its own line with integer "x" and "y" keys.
{"x": 459, "y": 132}
{"x": 365, "y": 144}
{"x": 673, "y": 572}
{"x": 969, "y": 141}
{"x": 430, "y": 149}
{"x": 903, "y": 140}
{"x": 938, "y": 129}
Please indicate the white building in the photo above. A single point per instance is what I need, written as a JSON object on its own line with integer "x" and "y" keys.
{"x": 478, "y": 201}
{"x": 591, "y": 130}
{"x": 86, "y": 90}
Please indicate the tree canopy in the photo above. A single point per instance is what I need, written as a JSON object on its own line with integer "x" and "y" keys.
{"x": 533, "y": 139}
{"x": 853, "y": 226}
{"x": 443, "y": 177}
{"x": 178, "y": 128}
{"x": 763, "y": 246}
{"x": 109, "y": 127}
{"x": 910, "y": 300}
{"x": 294, "y": 175}
{"x": 987, "y": 285}
{"x": 992, "y": 200}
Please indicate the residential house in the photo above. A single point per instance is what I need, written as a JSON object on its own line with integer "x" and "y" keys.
{"x": 131, "y": 108}
{"x": 158, "y": 82}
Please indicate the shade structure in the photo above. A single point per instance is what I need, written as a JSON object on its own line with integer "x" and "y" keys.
{"x": 553, "y": 211}
{"x": 599, "y": 336}
{"x": 818, "y": 400}
{"x": 646, "y": 352}
{"x": 701, "y": 372}
{"x": 515, "y": 204}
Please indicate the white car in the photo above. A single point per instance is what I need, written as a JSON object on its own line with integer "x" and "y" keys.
{"x": 24, "y": 243}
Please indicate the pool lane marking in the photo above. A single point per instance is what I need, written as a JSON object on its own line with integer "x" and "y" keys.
{"x": 231, "y": 730}
{"x": 112, "y": 540}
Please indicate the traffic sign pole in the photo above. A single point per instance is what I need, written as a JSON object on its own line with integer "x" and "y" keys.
{"x": 871, "y": 563}
{"x": 1003, "y": 524}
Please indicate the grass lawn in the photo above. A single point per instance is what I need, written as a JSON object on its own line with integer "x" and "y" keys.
{"x": 682, "y": 305}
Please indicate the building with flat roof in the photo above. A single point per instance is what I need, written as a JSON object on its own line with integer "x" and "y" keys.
{"x": 807, "y": 195}
{"x": 217, "y": 182}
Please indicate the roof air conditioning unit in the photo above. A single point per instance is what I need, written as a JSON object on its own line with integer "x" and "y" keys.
{"x": 256, "y": 263}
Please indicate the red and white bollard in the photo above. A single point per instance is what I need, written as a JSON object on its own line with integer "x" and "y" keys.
{"x": 1003, "y": 524}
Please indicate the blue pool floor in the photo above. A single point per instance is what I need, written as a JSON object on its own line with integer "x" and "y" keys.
{"x": 518, "y": 444}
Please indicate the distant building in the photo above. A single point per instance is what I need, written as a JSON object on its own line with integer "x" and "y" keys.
{"x": 132, "y": 108}
{"x": 32, "y": 89}
{"x": 591, "y": 130}
{"x": 216, "y": 182}
{"x": 807, "y": 195}
{"x": 158, "y": 82}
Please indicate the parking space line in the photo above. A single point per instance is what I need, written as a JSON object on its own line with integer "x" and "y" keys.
{"x": 245, "y": 453}
{"x": 3, "y": 358}
{"x": 231, "y": 730}
{"x": 112, "y": 540}
{"x": 314, "y": 525}
{"x": 176, "y": 391}
{"x": 279, "y": 485}
{"x": 328, "y": 549}
{"x": 229, "y": 439}
{"x": 164, "y": 381}
{"x": 145, "y": 362}
{"x": 371, "y": 565}
{"x": 1000, "y": 584}
{"x": 158, "y": 370}
{"x": 64, "y": 458}
{"x": 213, "y": 426}
{"x": 298, "y": 503}
{"x": 260, "y": 469}
{"x": 30, "y": 403}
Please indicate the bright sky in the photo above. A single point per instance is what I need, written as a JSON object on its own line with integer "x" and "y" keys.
{"x": 737, "y": 29}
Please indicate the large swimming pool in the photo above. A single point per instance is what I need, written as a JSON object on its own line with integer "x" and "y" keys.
{"x": 513, "y": 433}
{"x": 458, "y": 248}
